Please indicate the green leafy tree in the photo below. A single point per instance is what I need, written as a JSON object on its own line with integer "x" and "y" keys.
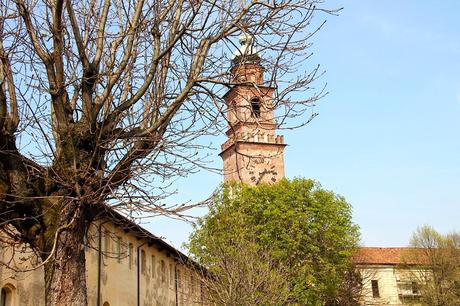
{"x": 103, "y": 105}
{"x": 303, "y": 232}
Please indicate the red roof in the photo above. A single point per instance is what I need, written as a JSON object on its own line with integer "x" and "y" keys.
{"x": 385, "y": 256}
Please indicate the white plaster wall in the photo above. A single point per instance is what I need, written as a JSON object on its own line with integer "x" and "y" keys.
{"x": 385, "y": 275}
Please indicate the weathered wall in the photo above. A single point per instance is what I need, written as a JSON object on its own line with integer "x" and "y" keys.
{"x": 391, "y": 282}
{"x": 158, "y": 273}
{"x": 253, "y": 162}
{"x": 24, "y": 288}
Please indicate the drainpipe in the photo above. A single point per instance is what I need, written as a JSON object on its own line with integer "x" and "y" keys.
{"x": 175, "y": 284}
{"x": 139, "y": 274}
{"x": 99, "y": 264}
{"x": 201, "y": 293}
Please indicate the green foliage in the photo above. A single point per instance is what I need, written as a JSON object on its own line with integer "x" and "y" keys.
{"x": 304, "y": 231}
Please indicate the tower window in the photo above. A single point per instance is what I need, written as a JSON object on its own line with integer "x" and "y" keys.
{"x": 6, "y": 298}
{"x": 255, "y": 107}
{"x": 3, "y": 298}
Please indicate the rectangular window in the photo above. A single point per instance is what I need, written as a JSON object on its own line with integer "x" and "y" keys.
{"x": 179, "y": 281}
{"x": 106, "y": 243}
{"x": 375, "y": 288}
{"x": 163, "y": 271}
{"x": 255, "y": 107}
{"x": 119, "y": 242}
{"x": 415, "y": 288}
{"x": 130, "y": 255}
{"x": 153, "y": 266}
{"x": 85, "y": 241}
{"x": 143, "y": 262}
{"x": 171, "y": 275}
{"x": 192, "y": 283}
{"x": 185, "y": 280}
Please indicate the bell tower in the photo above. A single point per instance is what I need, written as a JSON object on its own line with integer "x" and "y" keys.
{"x": 253, "y": 152}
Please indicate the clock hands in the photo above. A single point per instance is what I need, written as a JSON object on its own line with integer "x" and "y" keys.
{"x": 265, "y": 172}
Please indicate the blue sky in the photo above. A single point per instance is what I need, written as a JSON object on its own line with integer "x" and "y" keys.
{"x": 387, "y": 134}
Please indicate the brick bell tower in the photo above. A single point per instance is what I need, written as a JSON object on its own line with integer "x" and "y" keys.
{"x": 253, "y": 153}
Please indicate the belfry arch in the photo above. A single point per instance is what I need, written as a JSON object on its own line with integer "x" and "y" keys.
{"x": 7, "y": 295}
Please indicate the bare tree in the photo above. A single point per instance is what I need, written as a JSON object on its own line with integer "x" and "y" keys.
{"x": 352, "y": 288}
{"x": 245, "y": 275}
{"x": 102, "y": 103}
{"x": 432, "y": 266}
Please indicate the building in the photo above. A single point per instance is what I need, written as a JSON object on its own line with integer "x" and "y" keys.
{"x": 388, "y": 276}
{"x": 254, "y": 153}
{"x": 126, "y": 266}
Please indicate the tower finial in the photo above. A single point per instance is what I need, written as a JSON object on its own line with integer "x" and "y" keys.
{"x": 245, "y": 38}
{"x": 247, "y": 52}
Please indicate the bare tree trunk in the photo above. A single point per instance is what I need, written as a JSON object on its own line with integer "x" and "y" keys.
{"x": 117, "y": 96}
{"x": 65, "y": 275}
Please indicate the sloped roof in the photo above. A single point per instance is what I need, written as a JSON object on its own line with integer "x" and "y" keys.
{"x": 362, "y": 256}
{"x": 105, "y": 211}
{"x": 388, "y": 256}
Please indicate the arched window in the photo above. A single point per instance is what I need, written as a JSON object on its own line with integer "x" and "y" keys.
{"x": 106, "y": 304}
{"x": 6, "y": 298}
{"x": 255, "y": 107}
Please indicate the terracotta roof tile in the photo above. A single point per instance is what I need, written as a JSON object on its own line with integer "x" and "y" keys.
{"x": 385, "y": 256}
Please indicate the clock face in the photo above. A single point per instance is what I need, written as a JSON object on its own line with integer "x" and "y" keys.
{"x": 260, "y": 168}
